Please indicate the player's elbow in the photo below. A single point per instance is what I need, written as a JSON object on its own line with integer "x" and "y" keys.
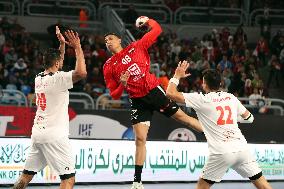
{"x": 250, "y": 119}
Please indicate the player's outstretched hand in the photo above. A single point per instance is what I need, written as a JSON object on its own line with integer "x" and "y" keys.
{"x": 124, "y": 77}
{"x": 73, "y": 39}
{"x": 60, "y": 36}
{"x": 181, "y": 70}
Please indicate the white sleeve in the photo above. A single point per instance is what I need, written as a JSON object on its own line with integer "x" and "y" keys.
{"x": 63, "y": 80}
{"x": 240, "y": 108}
{"x": 192, "y": 100}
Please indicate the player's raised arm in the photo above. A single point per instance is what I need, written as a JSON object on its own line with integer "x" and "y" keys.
{"x": 80, "y": 71}
{"x": 62, "y": 42}
{"x": 172, "y": 91}
{"x": 155, "y": 30}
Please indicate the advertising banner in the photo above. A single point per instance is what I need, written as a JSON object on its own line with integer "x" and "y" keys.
{"x": 113, "y": 161}
{"x": 110, "y": 124}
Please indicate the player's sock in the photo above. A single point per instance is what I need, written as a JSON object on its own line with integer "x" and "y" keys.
{"x": 138, "y": 171}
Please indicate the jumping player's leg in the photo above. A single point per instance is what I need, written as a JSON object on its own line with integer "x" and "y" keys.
{"x": 204, "y": 184}
{"x": 67, "y": 181}
{"x": 141, "y": 132}
{"x": 261, "y": 183}
{"x": 24, "y": 179}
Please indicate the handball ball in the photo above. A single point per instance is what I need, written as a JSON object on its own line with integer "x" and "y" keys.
{"x": 141, "y": 21}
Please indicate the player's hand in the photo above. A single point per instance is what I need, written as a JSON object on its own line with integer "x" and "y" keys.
{"x": 60, "y": 36}
{"x": 124, "y": 77}
{"x": 73, "y": 39}
{"x": 181, "y": 70}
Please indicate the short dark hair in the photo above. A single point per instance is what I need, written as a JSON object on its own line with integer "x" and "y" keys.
{"x": 112, "y": 33}
{"x": 50, "y": 56}
{"x": 212, "y": 78}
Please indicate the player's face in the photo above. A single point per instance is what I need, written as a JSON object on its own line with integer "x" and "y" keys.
{"x": 112, "y": 42}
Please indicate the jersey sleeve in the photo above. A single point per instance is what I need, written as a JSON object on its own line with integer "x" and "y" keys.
{"x": 192, "y": 100}
{"x": 115, "y": 88}
{"x": 240, "y": 108}
{"x": 63, "y": 80}
{"x": 150, "y": 37}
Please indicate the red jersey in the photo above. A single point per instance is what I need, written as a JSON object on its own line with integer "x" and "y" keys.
{"x": 136, "y": 60}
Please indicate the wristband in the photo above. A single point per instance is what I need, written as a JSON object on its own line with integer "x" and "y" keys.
{"x": 175, "y": 81}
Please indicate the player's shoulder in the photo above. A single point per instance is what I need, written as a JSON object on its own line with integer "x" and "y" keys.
{"x": 108, "y": 63}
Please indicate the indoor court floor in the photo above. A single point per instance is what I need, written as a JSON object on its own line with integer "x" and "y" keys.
{"x": 227, "y": 185}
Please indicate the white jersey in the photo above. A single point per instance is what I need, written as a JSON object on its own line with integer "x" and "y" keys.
{"x": 218, "y": 112}
{"x": 52, "y": 99}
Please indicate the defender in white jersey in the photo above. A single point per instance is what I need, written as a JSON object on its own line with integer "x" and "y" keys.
{"x": 218, "y": 113}
{"x": 50, "y": 143}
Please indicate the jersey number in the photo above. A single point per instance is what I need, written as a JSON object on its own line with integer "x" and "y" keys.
{"x": 41, "y": 101}
{"x": 126, "y": 59}
{"x": 221, "y": 120}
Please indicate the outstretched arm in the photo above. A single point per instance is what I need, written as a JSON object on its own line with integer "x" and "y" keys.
{"x": 172, "y": 91}
{"x": 62, "y": 43}
{"x": 150, "y": 37}
{"x": 80, "y": 71}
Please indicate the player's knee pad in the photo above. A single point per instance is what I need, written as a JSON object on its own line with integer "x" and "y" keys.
{"x": 255, "y": 177}
{"x": 66, "y": 176}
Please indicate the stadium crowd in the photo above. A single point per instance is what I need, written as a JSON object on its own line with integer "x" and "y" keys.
{"x": 225, "y": 50}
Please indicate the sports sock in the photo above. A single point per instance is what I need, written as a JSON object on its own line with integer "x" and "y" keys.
{"x": 138, "y": 171}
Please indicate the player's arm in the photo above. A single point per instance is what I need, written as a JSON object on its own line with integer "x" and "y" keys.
{"x": 62, "y": 43}
{"x": 188, "y": 120}
{"x": 172, "y": 91}
{"x": 80, "y": 71}
{"x": 244, "y": 116}
{"x": 150, "y": 37}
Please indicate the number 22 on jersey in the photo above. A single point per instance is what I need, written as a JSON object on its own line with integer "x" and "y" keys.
{"x": 222, "y": 120}
{"x": 41, "y": 101}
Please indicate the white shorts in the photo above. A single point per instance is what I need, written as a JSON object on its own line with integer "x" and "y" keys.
{"x": 57, "y": 155}
{"x": 242, "y": 162}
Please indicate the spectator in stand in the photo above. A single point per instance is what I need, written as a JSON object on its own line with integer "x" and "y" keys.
{"x": 20, "y": 66}
{"x": 5, "y": 25}
{"x": 265, "y": 25}
{"x": 277, "y": 43}
{"x": 257, "y": 82}
{"x": 130, "y": 15}
{"x": 255, "y": 100}
{"x": 11, "y": 56}
{"x": 261, "y": 50}
{"x": 3, "y": 76}
{"x": 274, "y": 71}
{"x": 225, "y": 63}
{"x": 83, "y": 18}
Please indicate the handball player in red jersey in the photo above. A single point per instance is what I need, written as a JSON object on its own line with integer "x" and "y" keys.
{"x": 128, "y": 69}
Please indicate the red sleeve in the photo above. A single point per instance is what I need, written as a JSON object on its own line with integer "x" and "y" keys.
{"x": 115, "y": 88}
{"x": 149, "y": 38}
